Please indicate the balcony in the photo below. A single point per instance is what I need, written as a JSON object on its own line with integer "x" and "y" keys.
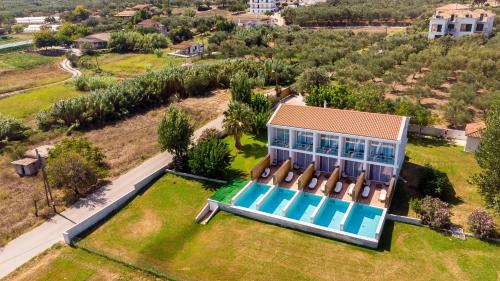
{"x": 354, "y": 154}
{"x": 328, "y": 150}
{"x": 279, "y": 143}
{"x": 303, "y": 146}
{"x": 380, "y": 158}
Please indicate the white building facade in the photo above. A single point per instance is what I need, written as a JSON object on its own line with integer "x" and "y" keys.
{"x": 354, "y": 141}
{"x": 258, "y": 7}
{"x": 457, "y": 20}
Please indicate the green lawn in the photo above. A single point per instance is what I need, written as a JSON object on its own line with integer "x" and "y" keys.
{"x": 27, "y": 104}
{"x": 128, "y": 65}
{"x": 65, "y": 263}
{"x": 452, "y": 160}
{"x": 157, "y": 230}
{"x": 254, "y": 148}
{"x": 22, "y": 60}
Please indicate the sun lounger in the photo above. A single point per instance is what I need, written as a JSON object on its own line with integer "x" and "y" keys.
{"x": 313, "y": 183}
{"x": 383, "y": 195}
{"x": 366, "y": 191}
{"x": 338, "y": 187}
{"x": 289, "y": 177}
{"x": 266, "y": 173}
{"x": 351, "y": 189}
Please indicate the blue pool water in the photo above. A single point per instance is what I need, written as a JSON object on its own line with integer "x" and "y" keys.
{"x": 363, "y": 220}
{"x": 252, "y": 195}
{"x": 303, "y": 208}
{"x": 332, "y": 213}
{"x": 275, "y": 203}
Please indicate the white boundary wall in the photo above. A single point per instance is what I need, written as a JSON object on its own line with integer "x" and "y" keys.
{"x": 438, "y": 132}
{"x": 98, "y": 216}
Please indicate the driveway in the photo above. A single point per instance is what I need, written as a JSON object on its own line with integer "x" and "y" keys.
{"x": 32, "y": 243}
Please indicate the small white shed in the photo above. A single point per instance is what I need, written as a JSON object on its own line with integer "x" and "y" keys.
{"x": 473, "y": 135}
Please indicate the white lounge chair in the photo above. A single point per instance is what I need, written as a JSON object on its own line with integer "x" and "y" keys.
{"x": 383, "y": 195}
{"x": 289, "y": 177}
{"x": 338, "y": 187}
{"x": 351, "y": 189}
{"x": 266, "y": 173}
{"x": 366, "y": 191}
{"x": 313, "y": 183}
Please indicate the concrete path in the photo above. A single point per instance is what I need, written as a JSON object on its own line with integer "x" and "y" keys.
{"x": 32, "y": 243}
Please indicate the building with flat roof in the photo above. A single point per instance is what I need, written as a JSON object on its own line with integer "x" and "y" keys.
{"x": 98, "y": 40}
{"x": 459, "y": 20}
{"x": 262, "y": 6}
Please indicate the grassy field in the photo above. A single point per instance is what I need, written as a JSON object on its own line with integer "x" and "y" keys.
{"x": 65, "y": 263}
{"x": 27, "y": 104}
{"x": 21, "y": 70}
{"x": 11, "y": 38}
{"x": 128, "y": 65}
{"x": 452, "y": 160}
{"x": 236, "y": 248}
{"x": 254, "y": 148}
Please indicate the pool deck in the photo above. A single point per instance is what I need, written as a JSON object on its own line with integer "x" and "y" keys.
{"x": 372, "y": 199}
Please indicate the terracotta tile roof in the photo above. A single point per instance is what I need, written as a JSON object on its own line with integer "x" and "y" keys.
{"x": 148, "y": 23}
{"x": 474, "y": 129}
{"x": 125, "y": 14}
{"x": 98, "y": 37}
{"x": 376, "y": 125}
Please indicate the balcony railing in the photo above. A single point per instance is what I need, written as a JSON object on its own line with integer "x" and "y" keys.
{"x": 280, "y": 143}
{"x": 303, "y": 146}
{"x": 328, "y": 150}
{"x": 353, "y": 154}
{"x": 381, "y": 158}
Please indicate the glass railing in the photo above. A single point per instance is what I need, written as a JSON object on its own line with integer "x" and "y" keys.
{"x": 328, "y": 150}
{"x": 303, "y": 146}
{"x": 381, "y": 158}
{"x": 280, "y": 143}
{"x": 353, "y": 154}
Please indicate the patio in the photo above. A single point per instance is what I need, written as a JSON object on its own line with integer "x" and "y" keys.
{"x": 374, "y": 195}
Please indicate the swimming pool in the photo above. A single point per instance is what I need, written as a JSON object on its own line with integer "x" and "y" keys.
{"x": 275, "y": 203}
{"x": 303, "y": 207}
{"x": 332, "y": 213}
{"x": 363, "y": 220}
{"x": 252, "y": 195}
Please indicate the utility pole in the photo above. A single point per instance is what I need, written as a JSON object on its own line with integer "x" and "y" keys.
{"x": 48, "y": 191}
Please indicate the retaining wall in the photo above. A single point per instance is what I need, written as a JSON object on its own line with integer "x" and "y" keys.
{"x": 438, "y": 132}
{"x": 103, "y": 213}
{"x": 409, "y": 220}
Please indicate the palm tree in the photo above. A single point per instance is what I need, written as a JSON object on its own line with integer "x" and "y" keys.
{"x": 237, "y": 119}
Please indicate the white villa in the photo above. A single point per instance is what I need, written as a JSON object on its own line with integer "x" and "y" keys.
{"x": 262, "y": 6}
{"x": 354, "y": 141}
{"x": 458, "y": 20}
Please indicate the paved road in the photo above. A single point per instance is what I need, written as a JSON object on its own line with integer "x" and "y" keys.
{"x": 30, "y": 244}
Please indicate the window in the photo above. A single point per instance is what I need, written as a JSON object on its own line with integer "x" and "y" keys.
{"x": 305, "y": 138}
{"x": 354, "y": 148}
{"x": 466, "y": 27}
{"x": 479, "y": 27}
{"x": 380, "y": 173}
{"x": 303, "y": 160}
{"x": 281, "y": 156}
{"x": 436, "y": 27}
{"x": 327, "y": 164}
{"x": 382, "y": 152}
{"x": 451, "y": 27}
{"x": 353, "y": 169}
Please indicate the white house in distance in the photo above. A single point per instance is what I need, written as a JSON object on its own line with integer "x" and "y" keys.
{"x": 262, "y": 6}
{"x": 458, "y": 20}
{"x": 34, "y": 20}
{"x": 354, "y": 141}
{"x": 473, "y": 135}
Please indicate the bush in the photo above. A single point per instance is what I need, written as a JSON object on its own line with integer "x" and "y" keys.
{"x": 433, "y": 212}
{"x": 12, "y": 129}
{"x": 210, "y": 158}
{"x": 335, "y": 96}
{"x": 209, "y": 134}
{"x": 241, "y": 89}
{"x": 261, "y": 106}
{"x": 434, "y": 182}
{"x": 133, "y": 41}
{"x": 174, "y": 134}
{"x": 91, "y": 83}
{"x": 481, "y": 223}
{"x": 158, "y": 53}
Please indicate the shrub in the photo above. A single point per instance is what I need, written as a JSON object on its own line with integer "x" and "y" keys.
{"x": 415, "y": 205}
{"x": 335, "y": 96}
{"x": 209, "y": 134}
{"x": 241, "y": 89}
{"x": 481, "y": 223}
{"x": 158, "y": 53}
{"x": 434, "y": 182}
{"x": 261, "y": 106}
{"x": 91, "y": 83}
{"x": 12, "y": 129}
{"x": 210, "y": 158}
{"x": 133, "y": 41}
{"x": 433, "y": 212}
